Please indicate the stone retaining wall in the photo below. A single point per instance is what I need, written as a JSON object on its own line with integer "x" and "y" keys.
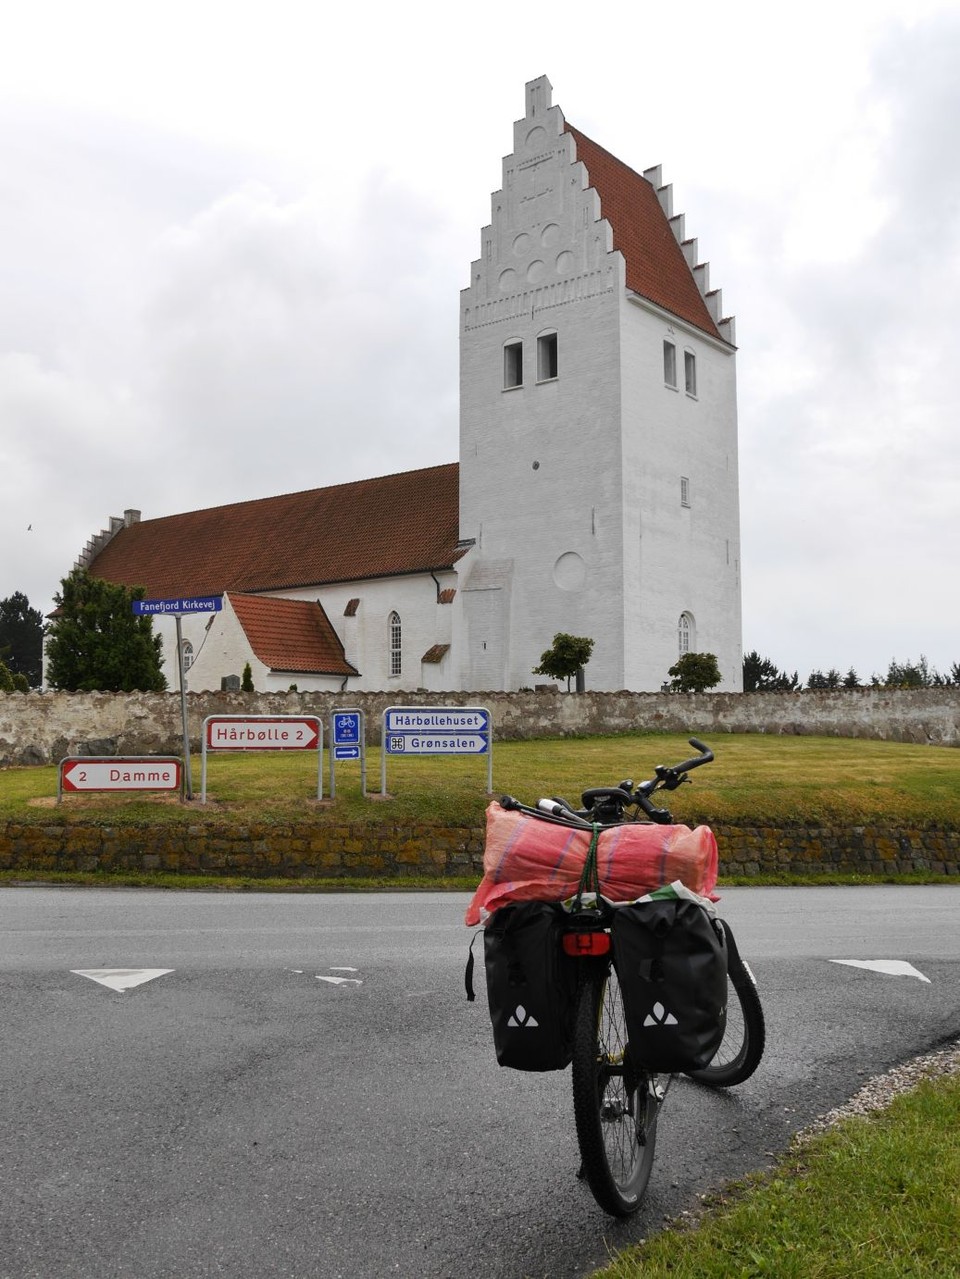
{"x": 340, "y": 850}
{"x": 42, "y": 728}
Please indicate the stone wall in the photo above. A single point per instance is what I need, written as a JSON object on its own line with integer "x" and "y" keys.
{"x": 41, "y": 728}
{"x": 304, "y": 850}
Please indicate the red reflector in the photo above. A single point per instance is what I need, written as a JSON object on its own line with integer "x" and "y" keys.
{"x": 586, "y": 943}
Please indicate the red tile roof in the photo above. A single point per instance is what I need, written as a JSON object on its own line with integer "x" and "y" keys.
{"x": 291, "y": 635}
{"x": 435, "y": 653}
{"x": 656, "y": 267}
{"x": 395, "y": 524}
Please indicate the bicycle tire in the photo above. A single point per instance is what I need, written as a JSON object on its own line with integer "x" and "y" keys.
{"x": 744, "y": 1035}
{"x": 615, "y": 1111}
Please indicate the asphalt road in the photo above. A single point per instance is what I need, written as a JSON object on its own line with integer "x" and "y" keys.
{"x": 244, "y": 1115}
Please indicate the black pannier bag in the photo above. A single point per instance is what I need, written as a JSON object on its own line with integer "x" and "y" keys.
{"x": 531, "y": 986}
{"x": 671, "y": 960}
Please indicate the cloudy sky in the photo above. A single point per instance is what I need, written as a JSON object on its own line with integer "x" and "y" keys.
{"x": 233, "y": 235}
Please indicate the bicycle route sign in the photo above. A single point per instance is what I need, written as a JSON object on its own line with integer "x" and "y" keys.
{"x": 436, "y": 730}
{"x": 346, "y": 734}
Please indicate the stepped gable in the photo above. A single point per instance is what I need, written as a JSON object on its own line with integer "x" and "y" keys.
{"x": 291, "y": 635}
{"x": 656, "y": 265}
{"x": 383, "y": 527}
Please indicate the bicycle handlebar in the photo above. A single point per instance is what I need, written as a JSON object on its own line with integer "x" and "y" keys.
{"x": 606, "y": 804}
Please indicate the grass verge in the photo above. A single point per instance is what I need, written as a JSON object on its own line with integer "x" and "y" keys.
{"x": 756, "y": 780}
{"x": 874, "y": 1197}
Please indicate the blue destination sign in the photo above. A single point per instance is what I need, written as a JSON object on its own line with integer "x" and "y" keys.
{"x": 181, "y": 606}
{"x": 436, "y": 720}
{"x": 432, "y": 743}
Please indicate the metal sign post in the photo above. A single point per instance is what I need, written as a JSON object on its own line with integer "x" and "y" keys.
{"x": 348, "y": 740}
{"x": 177, "y": 608}
{"x": 436, "y": 730}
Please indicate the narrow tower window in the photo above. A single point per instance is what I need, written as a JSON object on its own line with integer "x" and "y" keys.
{"x": 512, "y": 365}
{"x": 546, "y": 357}
{"x": 395, "y": 637}
{"x": 669, "y": 364}
{"x": 686, "y": 639}
{"x": 684, "y": 491}
{"x": 690, "y": 372}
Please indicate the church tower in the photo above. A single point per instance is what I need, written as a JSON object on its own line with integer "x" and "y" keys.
{"x": 598, "y": 424}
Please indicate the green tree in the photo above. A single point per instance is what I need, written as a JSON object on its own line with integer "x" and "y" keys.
{"x": 95, "y": 641}
{"x": 21, "y": 638}
{"x": 6, "y": 679}
{"x": 909, "y": 675}
{"x": 851, "y": 679}
{"x": 761, "y": 676}
{"x": 569, "y": 654}
{"x": 817, "y": 679}
{"x": 246, "y": 683}
{"x": 695, "y": 673}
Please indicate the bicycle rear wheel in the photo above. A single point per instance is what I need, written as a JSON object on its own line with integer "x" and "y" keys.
{"x": 615, "y": 1108}
{"x": 745, "y": 1033}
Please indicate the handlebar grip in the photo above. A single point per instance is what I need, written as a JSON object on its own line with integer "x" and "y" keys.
{"x": 705, "y": 757}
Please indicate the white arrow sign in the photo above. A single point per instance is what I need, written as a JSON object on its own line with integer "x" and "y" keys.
{"x": 892, "y": 967}
{"x": 121, "y": 978}
{"x": 140, "y": 773}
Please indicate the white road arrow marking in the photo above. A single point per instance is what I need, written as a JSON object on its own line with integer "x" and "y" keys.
{"x": 892, "y": 967}
{"x": 121, "y": 978}
{"x": 341, "y": 981}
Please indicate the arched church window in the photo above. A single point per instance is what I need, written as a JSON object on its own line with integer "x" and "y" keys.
{"x": 686, "y": 634}
{"x": 187, "y": 656}
{"x": 395, "y": 643}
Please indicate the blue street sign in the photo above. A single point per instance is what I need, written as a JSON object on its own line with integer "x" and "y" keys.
{"x": 433, "y": 720}
{"x": 434, "y": 743}
{"x": 346, "y": 730}
{"x": 179, "y": 607}
{"x": 346, "y": 752}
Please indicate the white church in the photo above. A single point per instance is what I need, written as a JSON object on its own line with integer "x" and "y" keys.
{"x": 596, "y": 493}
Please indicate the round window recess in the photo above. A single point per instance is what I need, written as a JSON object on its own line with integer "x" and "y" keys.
{"x": 508, "y": 279}
{"x": 570, "y": 572}
{"x": 535, "y": 272}
{"x": 536, "y": 466}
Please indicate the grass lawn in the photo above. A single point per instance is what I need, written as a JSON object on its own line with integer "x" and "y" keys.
{"x": 876, "y": 1197}
{"x": 755, "y": 779}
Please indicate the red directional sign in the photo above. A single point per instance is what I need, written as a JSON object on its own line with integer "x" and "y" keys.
{"x": 262, "y": 733}
{"x": 142, "y": 772}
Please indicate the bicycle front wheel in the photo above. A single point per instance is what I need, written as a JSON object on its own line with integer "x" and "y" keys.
{"x": 615, "y": 1107}
{"x": 744, "y": 1035}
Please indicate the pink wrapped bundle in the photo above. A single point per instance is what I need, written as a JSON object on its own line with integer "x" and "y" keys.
{"x": 526, "y": 859}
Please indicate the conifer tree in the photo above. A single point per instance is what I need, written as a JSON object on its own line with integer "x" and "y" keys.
{"x": 97, "y": 642}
